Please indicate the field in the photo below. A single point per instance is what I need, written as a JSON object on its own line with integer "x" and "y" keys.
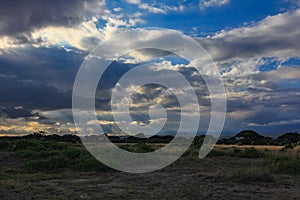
{"x": 36, "y": 169}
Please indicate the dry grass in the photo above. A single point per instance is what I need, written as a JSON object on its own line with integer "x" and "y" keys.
{"x": 258, "y": 147}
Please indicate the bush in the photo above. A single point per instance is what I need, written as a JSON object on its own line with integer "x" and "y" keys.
{"x": 73, "y": 153}
{"x": 54, "y": 163}
{"x": 215, "y": 153}
{"x": 143, "y": 148}
{"x": 52, "y": 156}
{"x": 27, "y": 153}
{"x": 52, "y": 145}
{"x": 89, "y": 165}
{"x": 4, "y": 144}
{"x": 252, "y": 175}
{"x": 251, "y": 153}
{"x": 236, "y": 151}
{"x": 284, "y": 165}
{"x": 288, "y": 147}
{"x": 192, "y": 151}
{"x": 138, "y": 148}
{"x": 28, "y": 144}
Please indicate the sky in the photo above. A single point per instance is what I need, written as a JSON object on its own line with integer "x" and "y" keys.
{"x": 255, "y": 45}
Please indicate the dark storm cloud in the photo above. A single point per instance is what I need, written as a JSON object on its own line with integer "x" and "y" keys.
{"x": 38, "y": 78}
{"x": 19, "y": 16}
{"x": 43, "y": 78}
{"x": 46, "y": 66}
{"x": 32, "y": 95}
{"x": 16, "y": 112}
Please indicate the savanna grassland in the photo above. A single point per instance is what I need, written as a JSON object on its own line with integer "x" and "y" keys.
{"x": 48, "y": 169}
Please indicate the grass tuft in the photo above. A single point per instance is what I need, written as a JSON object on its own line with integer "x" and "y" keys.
{"x": 253, "y": 174}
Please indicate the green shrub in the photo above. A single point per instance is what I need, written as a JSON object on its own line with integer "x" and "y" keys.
{"x": 289, "y": 146}
{"x": 52, "y": 156}
{"x": 284, "y": 165}
{"x": 215, "y": 153}
{"x": 193, "y": 151}
{"x": 52, "y": 145}
{"x": 54, "y": 163}
{"x": 26, "y": 153}
{"x": 236, "y": 151}
{"x": 4, "y": 144}
{"x": 138, "y": 148}
{"x": 251, "y": 153}
{"x": 73, "y": 153}
{"x": 28, "y": 144}
{"x": 89, "y": 165}
{"x": 240, "y": 143}
{"x": 71, "y": 158}
{"x": 252, "y": 175}
{"x": 31, "y": 154}
{"x": 143, "y": 148}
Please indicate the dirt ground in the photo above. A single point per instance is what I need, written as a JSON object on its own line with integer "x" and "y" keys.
{"x": 209, "y": 178}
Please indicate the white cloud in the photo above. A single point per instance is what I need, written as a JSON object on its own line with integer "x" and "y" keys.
{"x": 203, "y": 4}
{"x": 146, "y": 6}
{"x": 101, "y": 122}
{"x": 293, "y": 3}
{"x": 257, "y": 98}
{"x": 283, "y": 73}
{"x": 238, "y": 52}
{"x": 276, "y": 123}
{"x": 83, "y": 37}
{"x": 240, "y": 67}
{"x": 118, "y": 9}
{"x": 136, "y": 2}
{"x": 275, "y": 36}
{"x": 155, "y": 7}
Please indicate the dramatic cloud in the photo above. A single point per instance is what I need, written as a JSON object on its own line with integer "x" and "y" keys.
{"x": 25, "y": 122}
{"x": 275, "y": 36}
{"x": 77, "y": 31}
{"x": 32, "y": 95}
{"x": 262, "y": 88}
{"x": 56, "y": 25}
{"x": 43, "y": 43}
{"x": 38, "y": 78}
{"x": 16, "y": 112}
{"x": 19, "y": 16}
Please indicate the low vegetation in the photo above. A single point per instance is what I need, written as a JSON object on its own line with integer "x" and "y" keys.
{"x": 284, "y": 164}
{"x": 50, "y": 167}
{"x": 56, "y": 154}
{"x": 52, "y": 156}
{"x": 252, "y": 174}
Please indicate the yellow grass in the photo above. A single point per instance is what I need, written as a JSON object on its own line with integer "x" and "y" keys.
{"x": 259, "y": 147}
